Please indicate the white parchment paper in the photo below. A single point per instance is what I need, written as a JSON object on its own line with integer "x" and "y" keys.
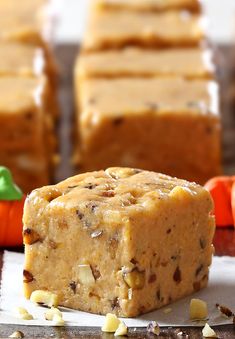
{"x": 221, "y": 289}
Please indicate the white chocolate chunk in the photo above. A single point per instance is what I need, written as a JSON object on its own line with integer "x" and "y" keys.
{"x": 85, "y": 275}
{"x": 51, "y": 312}
{"x": 17, "y": 334}
{"x": 198, "y": 309}
{"x": 111, "y": 323}
{"x": 57, "y": 320}
{"x": 208, "y": 332}
{"x": 45, "y": 297}
{"x": 167, "y": 310}
{"x": 23, "y": 313}
{"x": 121, "y": 330}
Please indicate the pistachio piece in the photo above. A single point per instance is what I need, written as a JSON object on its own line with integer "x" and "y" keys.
{"x": 44, "y": 297}
{"x": 121, "y": 330}
{"x": 85, "y": 275}
{"x": 111, "y": 323}
{"x": 134, "y": 279}
{"x": 198, "y": 309}
{"x": 208, "y": 332}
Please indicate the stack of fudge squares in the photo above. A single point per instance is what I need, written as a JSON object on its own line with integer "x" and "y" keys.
{"x": 28, "y": 106}
{"x": 146, "y": 91}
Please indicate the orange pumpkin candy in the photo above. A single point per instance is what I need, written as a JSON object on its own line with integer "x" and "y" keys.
{"x": 11, "y": 213}
{"x": 11, "y": 210}
{"x": 222, "y": 190}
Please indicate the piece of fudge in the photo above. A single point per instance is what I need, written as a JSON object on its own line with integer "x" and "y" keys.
{"x": 168, "y": 125}
{"x": 96, "y": 241}
{"x": 18, "y": 59}
{"x": 30, "y": 24}
{"x": 26, "y": 23}
{"x": 27, "y": 134}
{"x": 149, "y": 5}
{"x": 132, "y": 62}
{"x": 25, "y": 60}
{"x": 116, "y": 29}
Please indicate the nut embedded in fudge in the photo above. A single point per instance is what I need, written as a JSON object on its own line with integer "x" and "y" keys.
{"x": 122, "y": 240}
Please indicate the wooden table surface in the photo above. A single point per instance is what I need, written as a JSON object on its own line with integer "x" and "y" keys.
{"x": 224, "y": 240}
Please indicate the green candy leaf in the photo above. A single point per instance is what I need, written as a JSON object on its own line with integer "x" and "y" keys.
{"x": 8, "y": 189}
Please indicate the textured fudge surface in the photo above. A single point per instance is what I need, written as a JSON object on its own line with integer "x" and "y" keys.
{"x": 101, "y": 97}
{"x": 96, "y": 240}
{"x": 167, "y": 125}
{"x": 20, "y": 94}
{"x": 115, "y": 29}
{"x": 22, "y": 60}
{"x": 157, "y": 5}
{"x": 190, "y": 63}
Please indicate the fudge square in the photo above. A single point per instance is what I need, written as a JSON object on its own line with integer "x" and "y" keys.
{"x": 131, "y": 62}
{"x": 149, "y": 5}
{"x": 120, "y": 28}
{"x": 122, "y": 240}
{"x": 27, "y": 137}
{"x": 18, "y": 59}
{"x": 31, "y": 23}
{"x": 27, "y": 23}
{"x": 168, "y": 125}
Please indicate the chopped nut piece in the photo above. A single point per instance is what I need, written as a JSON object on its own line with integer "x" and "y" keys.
{"x": 152, "y": 278}
{"x": 199, "y": 270}
{"x": 153, "y": 327}
{"x": 167, "y": 310}
{"x": 73, "y": 286}
{"x": 23, "y": 314}
{"x": 134, "y": 279}
{"x": 51, "y": 312}
{"x": 111, "y": 323}
{"x": 96, "y": 273}
{"x": 202, "y": 243}
{"x": 225, "y": 310}
{"x": 85, "y": 275}
{"x": 112, "y": 247}
{"x": 198, "y": 309}
{"x": 208, "y": 332}
{"x": 57, "y": 320}
{"x": 45, "y": 297}
{"x": 53, "y": 244}
{"x": 30, "y": 236}
{"x": 177, "y": 275}
{"x": 115, "y": 303}
{"x": 108, "y": 194}
{"x": 121, "y": 330}
{"x": 17, "y": 334}
{"x": 28, "y": 277}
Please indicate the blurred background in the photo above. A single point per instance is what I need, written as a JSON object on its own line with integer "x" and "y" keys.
{"x": 221, "y": 25}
